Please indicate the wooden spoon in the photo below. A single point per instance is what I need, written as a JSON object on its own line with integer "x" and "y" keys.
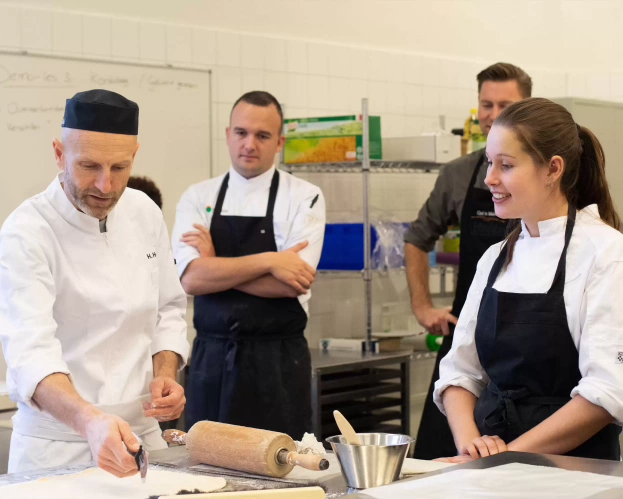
{"x": 347, "y": 430}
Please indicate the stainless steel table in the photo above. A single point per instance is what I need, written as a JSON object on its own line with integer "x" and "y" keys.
{"x": 335, "y": 486}
{"x": 599, "y": 466}
{"x": 177, "y": 458}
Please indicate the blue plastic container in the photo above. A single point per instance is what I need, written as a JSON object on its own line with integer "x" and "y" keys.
{"x": 343, "y": 247}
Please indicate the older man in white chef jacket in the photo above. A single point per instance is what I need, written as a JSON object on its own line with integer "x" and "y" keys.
{"x": 91, "y": 308}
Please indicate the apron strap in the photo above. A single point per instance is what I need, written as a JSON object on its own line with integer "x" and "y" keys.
{"x": 272, "y": 196}
{"x": 497, "y": 266}
{"x": 472, "y": 181}
{"x": 559, "y": 276}
{"x": 221, "y": 195}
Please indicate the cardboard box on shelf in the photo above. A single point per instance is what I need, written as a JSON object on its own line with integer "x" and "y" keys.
{"x": 427, "y": 148}
{"x": 332, "y": 139}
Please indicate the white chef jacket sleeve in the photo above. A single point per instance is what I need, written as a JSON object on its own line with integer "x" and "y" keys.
{"x": 188, "y": 212}
{"x": 171, "y": 324}
{"x": 27, "y": 325}
{"x": 601, "y": 340}
{"x": 308, "y": 225}
{"x": 461, "y": 366}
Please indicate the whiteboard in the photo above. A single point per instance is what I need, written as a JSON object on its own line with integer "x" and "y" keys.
{"x": 174, "y": 122}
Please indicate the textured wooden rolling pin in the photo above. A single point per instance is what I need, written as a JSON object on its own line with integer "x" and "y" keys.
{"x": 245, "y": 449}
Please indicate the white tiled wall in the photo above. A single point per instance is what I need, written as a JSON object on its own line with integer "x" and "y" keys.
{"x": 408, "y": 90}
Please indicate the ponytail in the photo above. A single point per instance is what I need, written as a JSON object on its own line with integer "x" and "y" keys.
{"x": 592, "y": 185}
{"x": 546, "y": 129}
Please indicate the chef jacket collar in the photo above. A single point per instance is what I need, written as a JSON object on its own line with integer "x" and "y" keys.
{"x": 557, "y": 225}
{"x": 238, "y": 181}
{"x": 59, "y": 200}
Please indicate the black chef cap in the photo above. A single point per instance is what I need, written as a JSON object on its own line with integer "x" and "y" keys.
{"x": 101, "y": 111}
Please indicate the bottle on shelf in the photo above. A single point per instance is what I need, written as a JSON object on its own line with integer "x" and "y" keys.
{"x": 477, "y": 137}
{"x": 466, "y": 142}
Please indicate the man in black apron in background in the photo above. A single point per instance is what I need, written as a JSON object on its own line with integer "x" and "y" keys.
{"x": 259, "y": 233}
{"x": 459, "y": 196}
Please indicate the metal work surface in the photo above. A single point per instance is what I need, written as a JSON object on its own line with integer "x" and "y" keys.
{"x": 599, "y": 466}
{"x": 325, "y": 362}
{"x": 376, "y": 166}
{"x": 177, "y": 459}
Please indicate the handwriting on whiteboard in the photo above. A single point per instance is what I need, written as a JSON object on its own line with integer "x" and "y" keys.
{"x": 65, "y": 79}
{"x": 10, "y": 78}
{"x": 14, "y": 107}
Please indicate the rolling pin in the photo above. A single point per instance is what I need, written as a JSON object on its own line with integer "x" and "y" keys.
{"x": 244, "y": 449}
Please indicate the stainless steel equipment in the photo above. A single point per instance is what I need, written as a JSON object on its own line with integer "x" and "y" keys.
{"x": 376, "y": 462}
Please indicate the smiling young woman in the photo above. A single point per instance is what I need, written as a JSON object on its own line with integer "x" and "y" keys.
{"x": 535, "y": 364}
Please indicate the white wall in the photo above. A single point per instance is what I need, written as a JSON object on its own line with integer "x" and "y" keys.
{"x": 409, "y": 90}
{"x": 560, "y": 34}
{"x": 320, "y": 58}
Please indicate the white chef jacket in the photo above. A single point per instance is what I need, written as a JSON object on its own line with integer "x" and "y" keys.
{"x": 96, "y": 306}
{"x": 294, "y": 218}
{"x": 592, "y": 294}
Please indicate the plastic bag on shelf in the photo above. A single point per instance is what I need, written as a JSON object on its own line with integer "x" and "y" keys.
{"x": 389, "y": 249}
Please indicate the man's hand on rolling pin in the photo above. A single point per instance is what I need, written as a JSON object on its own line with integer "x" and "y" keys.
{"x": 106, "y": 435}
{"x": 200, "y": 239}
{"x": 288, "y": 267}
{"x": 167, "y": 399}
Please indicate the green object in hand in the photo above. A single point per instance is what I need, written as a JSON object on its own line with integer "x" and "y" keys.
{"x": 433, "y": 343}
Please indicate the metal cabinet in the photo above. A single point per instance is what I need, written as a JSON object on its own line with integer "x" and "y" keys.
{"x": 371, "y": 390}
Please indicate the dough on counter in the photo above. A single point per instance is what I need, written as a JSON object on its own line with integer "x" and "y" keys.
{"x": 418, "y": 466}
{"x": 309, "y": 445}
{"x": 95, "y": 483}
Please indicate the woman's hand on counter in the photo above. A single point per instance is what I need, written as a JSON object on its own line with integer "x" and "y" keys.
{"x": 484, "y": 446}
{"x": 479, "y": 447}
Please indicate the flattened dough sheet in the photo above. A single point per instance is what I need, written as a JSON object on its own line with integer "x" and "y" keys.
{"x": 95, "y": 483}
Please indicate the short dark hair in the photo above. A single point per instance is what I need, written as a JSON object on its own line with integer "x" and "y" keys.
{"x": 262, "y": 99}
{"x": 146, "y": 185}
{"x": 503, "y": 71}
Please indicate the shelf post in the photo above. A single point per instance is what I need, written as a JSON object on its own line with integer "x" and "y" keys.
{"x": 367, "y": 271}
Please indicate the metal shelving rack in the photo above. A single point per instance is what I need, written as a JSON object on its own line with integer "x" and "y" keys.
{"x": 365, "y": 167}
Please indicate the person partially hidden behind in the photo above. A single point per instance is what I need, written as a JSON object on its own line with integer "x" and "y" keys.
{"x": 146, "y": 185}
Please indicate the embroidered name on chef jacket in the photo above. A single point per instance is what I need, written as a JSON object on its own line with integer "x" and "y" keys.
{"x": 151, "y": 255}
{"x": 619, "y": 359}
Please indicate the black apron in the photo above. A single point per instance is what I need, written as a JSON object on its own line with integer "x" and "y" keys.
{"x": 250, "y": 364}
{"x": 480, "y": 229}
{"x": 526, "y": 349}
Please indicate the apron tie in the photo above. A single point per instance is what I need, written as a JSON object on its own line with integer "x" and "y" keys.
{"x": 230, "y": 357}
{"x": 505, "y": 412}
{"x": 232, "y": 347}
